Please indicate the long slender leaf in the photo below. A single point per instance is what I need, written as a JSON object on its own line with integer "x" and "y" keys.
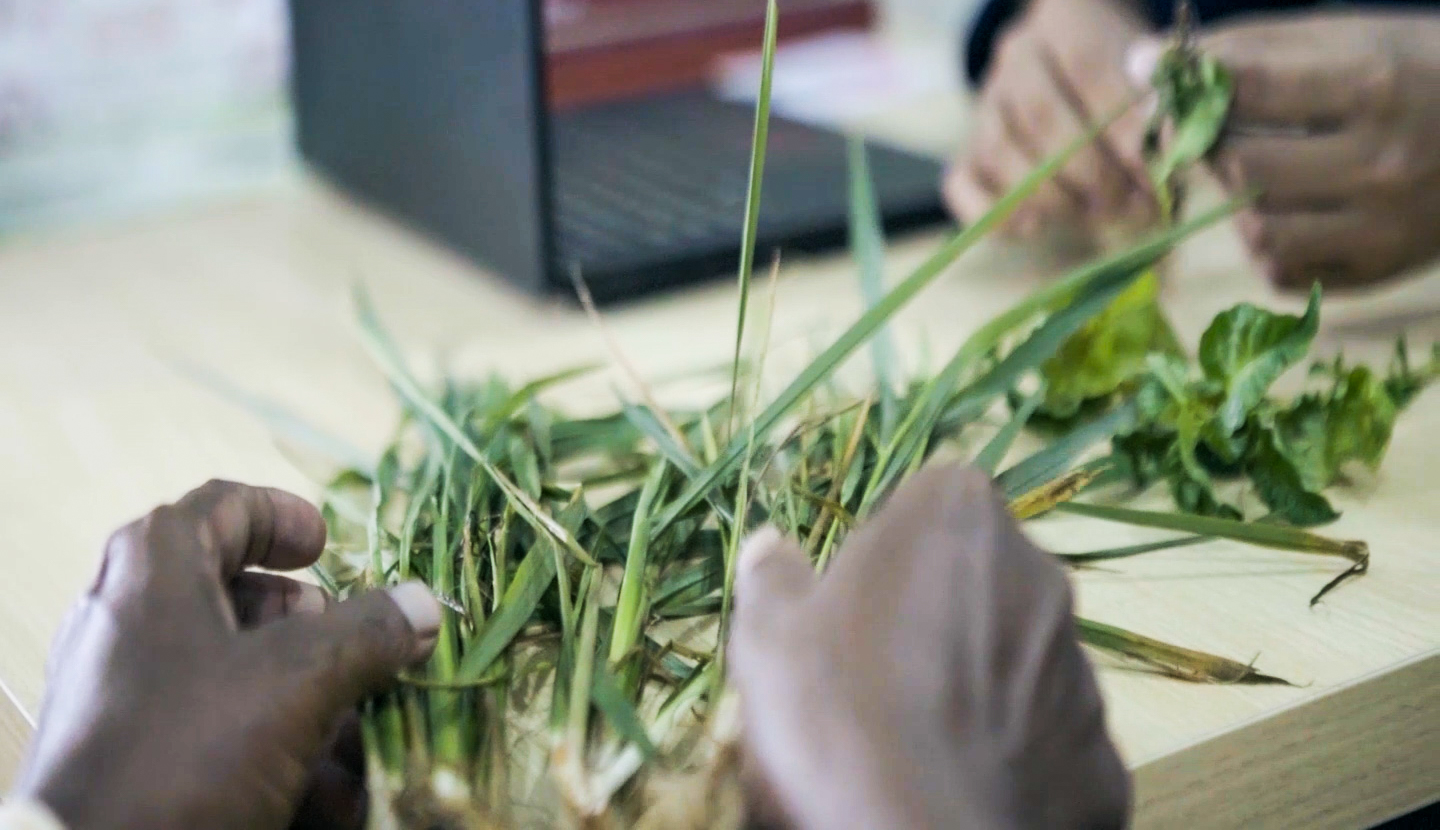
{"x": 752, "y": 196}
{"x": 867, "y": 247}
{"x": 631, "y": 607}
{"x": 997, "y": 447}
{"x": 383, "y": 350}
{"x": 1187, "y": 664}
{"x": 1083, "y": 557}
{"x": 282, "y": 422}
{"x": 532, "y": 579}
{"x": 859, "y": 332}
{"x": 1262, "y": 534}
{"x": 1057, "y": 457}
{"x": 610, "y": 699}
{"x": 1103, "y": 285}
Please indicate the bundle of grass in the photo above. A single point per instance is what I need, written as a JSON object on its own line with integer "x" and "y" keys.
{"x": 588, "y": 564}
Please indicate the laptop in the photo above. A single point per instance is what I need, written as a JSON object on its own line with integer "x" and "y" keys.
{"x": 436, "y": 113}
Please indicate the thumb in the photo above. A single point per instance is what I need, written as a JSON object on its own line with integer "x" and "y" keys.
{"x": 772, "y": 573}
{"x": 1141, "y": 60}
{"x": 355, "y": 648}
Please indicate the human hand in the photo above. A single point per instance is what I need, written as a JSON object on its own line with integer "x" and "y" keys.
{"x": 1335, "y": 122}
{"x": 931, "y": 678}
{"x": 187, "y": 691}
{"x": 1055, "y": 72}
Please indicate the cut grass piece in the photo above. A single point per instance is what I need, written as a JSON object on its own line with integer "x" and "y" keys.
{"x": 1184, "y": 663}
{"x": 1083, "y": 557}
{"x": 1262, "y": 534}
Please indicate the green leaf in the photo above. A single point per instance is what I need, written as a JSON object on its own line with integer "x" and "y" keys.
{"x": 383, "y": 350}
{"x": 1127, "y": 551}
{"x": 1321, "y": 433}
{"x": 1361, "y": 420}
{"x": 1246, "y": 348}
{"x": 610, "y": 699}
{"x": 532, "y": 579}
{"x": 1185, "y": 412}
{"x": 1283, "y": 489}
{"x": 998, "y": 446}
{"x": 752, "y": 195}
{"x": 1403, "y": 382}
{"x": 867, "y": 247}
{"x": 825, "y": 364}
{"x": 1109, "y": 351}
{"x": 919, "y": 426}
{"x": 1194, "y": 93}
{"x": 1056, "y": 458}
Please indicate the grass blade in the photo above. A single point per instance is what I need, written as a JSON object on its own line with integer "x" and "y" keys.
{"x": 1048, "y": 496}
{"x": 1093, "y": 296}
{"x": 383, "y": 350}
{"x": 610, "y": 699}
{"x": 525, "y": 394}
{"x": 867, "y": 246}
{"x": 1083, "y": 557}
{"x": 860, "y": 331}
{"x": 752, "y": 196}
{"x": 1261, "y": 534}
{"x": 631, "y": 607}
{"x": 532, "y": 579}
{"x": 1056, "y": 458}
{"x": 995, "y": 449}
{"x": 1184, "y": 663}
{"x": 585, "y": 664}
{"x": 283, "y": 423}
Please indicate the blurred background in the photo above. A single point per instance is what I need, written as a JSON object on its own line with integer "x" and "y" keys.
{"x": 110, "y": 108}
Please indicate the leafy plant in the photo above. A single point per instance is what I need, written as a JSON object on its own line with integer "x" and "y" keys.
{"x": 587, "y": 564}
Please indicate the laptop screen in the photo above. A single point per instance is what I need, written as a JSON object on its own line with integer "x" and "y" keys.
{"x": 435, "y": 111}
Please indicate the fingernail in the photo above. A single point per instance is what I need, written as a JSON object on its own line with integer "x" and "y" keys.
{"x": 420, "y": 608}
{"x": 757, "y": 547}
{"x": 310, "y": 600}
{"x": 1140, "y": 61}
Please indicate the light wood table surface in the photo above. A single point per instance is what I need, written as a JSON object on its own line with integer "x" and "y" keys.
{"x": 98, "y": 426}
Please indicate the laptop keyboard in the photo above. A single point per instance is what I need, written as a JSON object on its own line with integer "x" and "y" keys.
{"x": 641, "y": 183}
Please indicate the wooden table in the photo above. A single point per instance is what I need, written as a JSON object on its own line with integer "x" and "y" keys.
{"x": 99, "y": 426}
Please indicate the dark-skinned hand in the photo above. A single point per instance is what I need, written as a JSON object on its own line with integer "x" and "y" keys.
{"x": 187, "y": 690}
{"x": 1336, "y": 125}
{"x": 1056, "y": 70}
{"x": 931, "y": 678}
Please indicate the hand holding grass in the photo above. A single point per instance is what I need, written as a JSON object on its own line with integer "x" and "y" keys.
{"x": 1333, "y": 124}
{"x": 187, "y": 690}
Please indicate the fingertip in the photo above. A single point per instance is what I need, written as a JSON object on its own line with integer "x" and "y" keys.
{"x": 771, "y": 567}
{"x": 756, "y": 548}
{"x": 422, "y": 611}
{"x": 299, "y": 531}
{"x": 1141, "y": 60}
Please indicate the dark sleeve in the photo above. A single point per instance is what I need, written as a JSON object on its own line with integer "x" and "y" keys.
{"x": 985, "y": 29}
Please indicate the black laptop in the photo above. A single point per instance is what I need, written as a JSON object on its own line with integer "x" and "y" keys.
{"x": 434, "y": 111}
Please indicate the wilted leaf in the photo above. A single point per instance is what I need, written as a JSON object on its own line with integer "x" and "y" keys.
{"x": 1109, "y": 351}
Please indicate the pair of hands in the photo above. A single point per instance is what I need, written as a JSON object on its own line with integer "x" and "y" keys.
{"x": 1334, "y": 123}
{"x": 930, "y": 679}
